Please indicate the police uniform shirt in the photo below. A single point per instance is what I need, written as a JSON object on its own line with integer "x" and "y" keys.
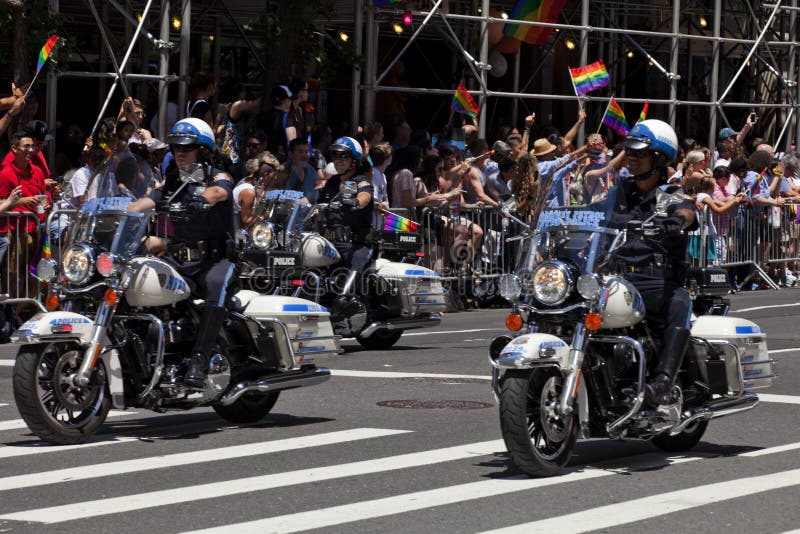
{"x": 642, "y": 252}
{"x": 215, "y": 224}
{"x": 359, "y": 220}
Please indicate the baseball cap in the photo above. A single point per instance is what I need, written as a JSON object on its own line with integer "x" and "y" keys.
{"x": 727, "y": 132}
{"x": 721, "y": 162}
{"x": 280, "y": 93}
{"x": 154, "y": 144}
{"x": 36, "y": 129}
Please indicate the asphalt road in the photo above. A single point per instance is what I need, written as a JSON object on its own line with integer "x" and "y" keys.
{"x": 336, "y": 458}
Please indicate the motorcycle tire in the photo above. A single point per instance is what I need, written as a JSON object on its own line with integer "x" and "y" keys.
{"x": 36, "y": 376}
{"x": 684, "y": 441}
{"x": 527, "y": 441}
{"x": 380, "y": 340}
{"x": 249, "y": 408}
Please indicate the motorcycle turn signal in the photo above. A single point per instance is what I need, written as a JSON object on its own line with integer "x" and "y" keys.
{"x": 514, "y": 322}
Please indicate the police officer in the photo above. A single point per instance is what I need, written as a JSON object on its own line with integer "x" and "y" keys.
{"x": 202, "y": 240}
{"x": 353, "y": 212}
{"x": 656, "y": 264}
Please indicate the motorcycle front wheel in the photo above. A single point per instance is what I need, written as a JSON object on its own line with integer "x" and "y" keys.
{"x": 249, "y": 408}
{"x": 539, "y": 439}
{"x": 53, "y": 407}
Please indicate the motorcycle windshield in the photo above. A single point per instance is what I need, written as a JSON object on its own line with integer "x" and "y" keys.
{"x": 125, "y": 174}
{"x": 106, "y": 224}
{"x": 284, "y": 209}
{"x": 581, "y": 235}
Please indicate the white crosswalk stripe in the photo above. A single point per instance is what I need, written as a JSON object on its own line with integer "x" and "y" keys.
{"x": 634, "y": 510}
{"x": 17, "y": 424}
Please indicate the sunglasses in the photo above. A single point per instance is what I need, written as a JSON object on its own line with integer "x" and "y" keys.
{"x": 28, "y": 147}
{"x": 340, "y": 155}
{"x": 253, "y": 145}
{"x": 184, "y": 148}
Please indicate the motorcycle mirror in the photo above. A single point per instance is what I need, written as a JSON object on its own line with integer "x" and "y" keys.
{"x": 192, "y": 174}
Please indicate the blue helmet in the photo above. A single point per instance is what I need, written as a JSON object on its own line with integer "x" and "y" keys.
{"x": 654, "y": 135}
{"x": 192, "y": 131}
{"x": 348, "y": 145}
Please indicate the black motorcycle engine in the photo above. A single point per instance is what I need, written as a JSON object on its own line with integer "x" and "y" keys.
{"x": 623, "y": 362}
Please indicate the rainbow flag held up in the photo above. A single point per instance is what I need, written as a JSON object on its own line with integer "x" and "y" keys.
{"x": 589, "y": 77}
{"x": 463, "y": 102}
{"x": 533, "y": 11}
{"x": 615, "y": 118}
{"x": 395, "y": 223}
{"x": 45, "y": 52}
{"x": 643, "y": 114}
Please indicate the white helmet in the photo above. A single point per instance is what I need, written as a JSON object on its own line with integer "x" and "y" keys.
{"x": 655, "y": 135}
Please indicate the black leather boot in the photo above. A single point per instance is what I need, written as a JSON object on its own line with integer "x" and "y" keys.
{"x": 207, "y": 333}
{"x": 658, "y": 390}
{"x": 343, "y": 307}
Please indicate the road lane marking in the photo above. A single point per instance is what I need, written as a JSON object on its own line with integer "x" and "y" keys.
{"x": 40, "y": 447}
{"x": 779, "y": 351}
{"x": 214, "y": 490}
{"x": 782, "y": 399}
{"x": 394, "y": 374}
{"x": 3, "y": 404}
{"x": 29, "y": 480}
{"x": 757, "y": 308}
{"x": 6, "y": 363}
{"x": 624, "y": 513}
{"x": 16, "y": 424}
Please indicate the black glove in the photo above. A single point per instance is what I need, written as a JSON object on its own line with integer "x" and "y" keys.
{"x": 673, "y": 225}
{"x": 349, "y": 203}
{"x": 198, "y": 205}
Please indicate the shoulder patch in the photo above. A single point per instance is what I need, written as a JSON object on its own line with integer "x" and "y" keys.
{"x": 364, "y": 184}
{"x": 222, "y": 176}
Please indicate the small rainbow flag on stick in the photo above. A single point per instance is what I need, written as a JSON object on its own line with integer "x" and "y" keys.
{"x": 589, "y": 77}
{"x": 533, "y": 11}
{"x": 463, "y": 102}
{"x": 45, "y": 52}
{"x": 643, "y": 114}
{"x": 614, "y": 118}
{"x": 395, "y": 223}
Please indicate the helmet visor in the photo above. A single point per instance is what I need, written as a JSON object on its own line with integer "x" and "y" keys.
{"x": 635, "y": 142}
{"x": 182, "y": 139}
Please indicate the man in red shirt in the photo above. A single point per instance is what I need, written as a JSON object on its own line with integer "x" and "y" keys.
{"x": 21, "y": 172}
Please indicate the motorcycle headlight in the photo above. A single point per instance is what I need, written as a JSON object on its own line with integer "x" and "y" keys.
{"x": 78, "y": 264}
{"x": 551, "y": 283}
{"x": 510, "y": 287}
{"x": 47, "y": 270}
{"x": 588, "y": 286}
{"x": 264, "y": 235}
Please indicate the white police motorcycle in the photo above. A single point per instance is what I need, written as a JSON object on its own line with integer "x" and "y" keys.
{"x": 576, "y": 363}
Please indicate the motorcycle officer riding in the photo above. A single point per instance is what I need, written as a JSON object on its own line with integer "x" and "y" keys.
{"x": 656, "y": 266}
{"x": 202, "y": 240}
{"x": 355, "y": 213}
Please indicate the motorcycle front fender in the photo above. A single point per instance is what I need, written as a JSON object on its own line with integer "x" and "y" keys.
{"x": 60, "y": 326}
{"x": 531, "y": 350}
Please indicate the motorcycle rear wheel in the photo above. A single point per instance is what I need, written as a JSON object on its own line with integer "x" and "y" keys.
{"x": 249, "y": 408}
{"x": 684, "y": 441}
{"x": 56, "y": 410}
{"x": 380, "y": 340}
{"x": 539, "y": 440}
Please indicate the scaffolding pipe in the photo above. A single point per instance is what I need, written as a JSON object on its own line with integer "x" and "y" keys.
{"x": 584, "y": 59}
{"x": 483, "y": 68}
{"x": 104, "y": 36}
{"x": 52, "y": 98}
{"x": 752, "y": 50}
{"x": 122, "y": 67}
{"x": 673, "y": 63}
{"x": 355, "y": 103}
{"x": 128, "y": 75}
{"x": 127, "y": 16}
{"x": 163, "y": 70}
{"x": 411, "y": 40}
{"x": 186, "y": 28}
{"x": 371, "y": 62}
{"x": 717, "y": 24}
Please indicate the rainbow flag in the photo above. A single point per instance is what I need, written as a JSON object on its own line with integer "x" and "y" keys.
{"x": 589, "y": 77}
{"x": 463, "y": 102}
{"x": 45, "y": 52}
{"x": 643, "y": 114}
{"x": 395, "y": 223}
{"x": 615, "y": 118}
{"x": 533, "y": 11}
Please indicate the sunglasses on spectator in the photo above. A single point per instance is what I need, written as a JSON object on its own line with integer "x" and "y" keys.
{"x": 184, "y": 148}
{"x": 27, "y": 146}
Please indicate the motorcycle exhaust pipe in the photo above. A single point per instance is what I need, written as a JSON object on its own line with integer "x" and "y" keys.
{"x": 718, "y": 408}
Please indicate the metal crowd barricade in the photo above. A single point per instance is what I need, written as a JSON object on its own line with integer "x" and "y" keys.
{"x": 21, "y": 249}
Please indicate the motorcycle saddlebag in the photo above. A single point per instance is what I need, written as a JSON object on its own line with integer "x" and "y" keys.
{"x": 708, "y": 281}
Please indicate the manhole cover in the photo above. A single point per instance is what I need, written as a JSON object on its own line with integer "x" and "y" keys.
{"x": 436, "y": 404}
{"x": 448, "y": 380}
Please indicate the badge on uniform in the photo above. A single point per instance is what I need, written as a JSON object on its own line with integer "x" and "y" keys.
{"x": 364, "y": 184}
{"x": 199, "y": 190}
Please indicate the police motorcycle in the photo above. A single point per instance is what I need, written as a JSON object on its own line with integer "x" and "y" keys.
{"x": 121, "y": 323}
{"x": 284, "y": 257}
{"x": 580, "y": 352}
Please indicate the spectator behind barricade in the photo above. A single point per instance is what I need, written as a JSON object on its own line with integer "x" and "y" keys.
{"x": 695, "y": 169}
{"x": 202, "y": 88}
{"x": 233, "y": 141}
{"x": 564, "y": 145}
{"x": 373, "y": 133}
{"x": 790, "y": 184}
{"x": 69, "y": 145}
{"x": 156, "y": 151}
{"x": 401, "y": 135}
{"x": 525, "y": 186}
{"x": 707, "y": 197}
{"x": 273, "y": 122}
{"x": 381, "y": 155}
{"x": 555, "y": 170}
{"x": 7, "y": 204}
{"x": 408, "y": 190}
{"x": 508, "y": 169}
{"x": 321, "y": 137}
{"x": 245, "y": 197}
{"x": 762, "y": 186}
{"x": 423, "y": 140}
{"x": 14, "y": 113}
{"x": 132, "y": 110}
{"x": 296, "y": 119}
{"x": 790, "y": 187}
{"x": 723, "y": 220}
{"x": 20, "y": 172}
{"x": 737, "y": 138}
{"x": 475, "y": 181}
{"x": 303, "y": 176}
{"x": 255, "y": 144}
